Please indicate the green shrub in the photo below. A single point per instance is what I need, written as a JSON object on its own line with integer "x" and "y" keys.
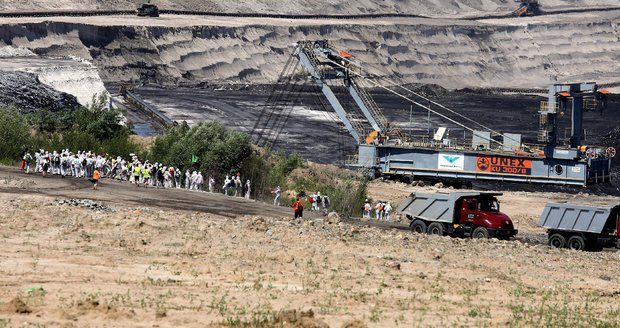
{"x": 94, "y": 129}
{"x": 257, "y": 170}
{"x": 348, "y": 198}
{"x": 283, "y": 167}
{"x": 218, "y": 151}
{"x": 14, "y": 135}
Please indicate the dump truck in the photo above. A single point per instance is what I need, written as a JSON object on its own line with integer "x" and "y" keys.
{"x": 582, "y": 227}
{"x": 458, "y": 214}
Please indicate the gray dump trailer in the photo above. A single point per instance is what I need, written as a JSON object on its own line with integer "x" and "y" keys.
{"x": 582, "y": 227}
{"x": 465, "y": 214}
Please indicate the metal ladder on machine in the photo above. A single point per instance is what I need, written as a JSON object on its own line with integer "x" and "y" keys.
{"x": 370, "y": 104}
{"x": 375, "y": 110}
{"x": 365, "y": 101}
{"x": 542, "y": 130}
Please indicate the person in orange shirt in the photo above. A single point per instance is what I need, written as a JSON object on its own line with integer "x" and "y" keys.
{"x": 95, "y": 179}
{"x": 298, "y": 208}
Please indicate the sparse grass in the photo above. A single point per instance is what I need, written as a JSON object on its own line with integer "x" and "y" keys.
{"x": 220, "y": 305}
{"x": 480, "y": 312}
{"x": 262, "y": 316}
{"x": 231, "y": 282}
{"x": 375, "y": 314}
{"x": 34, "y": 263}
{"x": 562, "y": 309}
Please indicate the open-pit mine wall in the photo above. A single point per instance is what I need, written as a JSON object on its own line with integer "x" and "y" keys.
{"x": 343, "y": 7}
{"x": 455, "y": 54}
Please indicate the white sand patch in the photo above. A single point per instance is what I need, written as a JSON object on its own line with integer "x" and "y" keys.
{"x": 82, "y": 81}
{"x": 74, "y": 76}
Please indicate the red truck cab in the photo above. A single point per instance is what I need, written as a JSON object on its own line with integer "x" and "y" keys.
{"x": 480, "y": 217}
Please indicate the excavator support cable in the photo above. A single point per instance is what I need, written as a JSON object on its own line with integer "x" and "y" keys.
{"x": 376, "y": 84}
{"x": 274, "y": 99}
{"x": 281, "y": 123}
{"x": 451, "y": 110}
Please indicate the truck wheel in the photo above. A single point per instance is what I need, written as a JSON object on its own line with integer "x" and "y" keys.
{"x": 480, "y": 232}
{"x": 418, "y": 226}
{"x": 557, "y": 241}
{"x": 577, "y": 243}
{"x": 436, "y": 228}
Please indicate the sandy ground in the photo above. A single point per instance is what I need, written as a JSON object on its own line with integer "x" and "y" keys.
{"x": 149, "y": 265}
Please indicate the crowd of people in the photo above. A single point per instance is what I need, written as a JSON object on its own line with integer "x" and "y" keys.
{"x": 382, "y": 210}
{"x": 318, "y": 202}
{"x": 92, "y": 166}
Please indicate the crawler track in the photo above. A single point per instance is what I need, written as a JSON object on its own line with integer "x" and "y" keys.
{"x": 84, "y": 13}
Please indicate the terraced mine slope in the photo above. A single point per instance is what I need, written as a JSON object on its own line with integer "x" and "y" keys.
{"x": 526, "y": 52}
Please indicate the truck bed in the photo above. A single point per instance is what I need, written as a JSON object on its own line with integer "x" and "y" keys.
{"x": 438, "y": 207}
{"x": 577, "y": 218}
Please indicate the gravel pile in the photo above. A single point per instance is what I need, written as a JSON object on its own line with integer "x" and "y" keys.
{"x": 87, "y": 203}
{"x": 25, "y": 92}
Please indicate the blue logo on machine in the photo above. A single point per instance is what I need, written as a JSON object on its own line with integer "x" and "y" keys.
{"x": 451, "y": 162}
{"x": 451, "y": 159}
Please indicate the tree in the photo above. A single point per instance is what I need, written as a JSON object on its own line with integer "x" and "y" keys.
{"x": 14, "y": 135}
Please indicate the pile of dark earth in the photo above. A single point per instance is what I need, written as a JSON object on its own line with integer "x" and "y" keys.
{"x": 24, "y": 91}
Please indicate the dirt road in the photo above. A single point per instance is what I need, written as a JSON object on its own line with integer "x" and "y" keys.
{"x": 124, "y": 193}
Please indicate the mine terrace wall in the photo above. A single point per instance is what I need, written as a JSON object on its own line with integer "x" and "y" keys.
{"x": 454, "y": 56}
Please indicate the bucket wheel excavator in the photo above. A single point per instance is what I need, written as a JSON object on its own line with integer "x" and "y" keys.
{"x": 484, "y": 154}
